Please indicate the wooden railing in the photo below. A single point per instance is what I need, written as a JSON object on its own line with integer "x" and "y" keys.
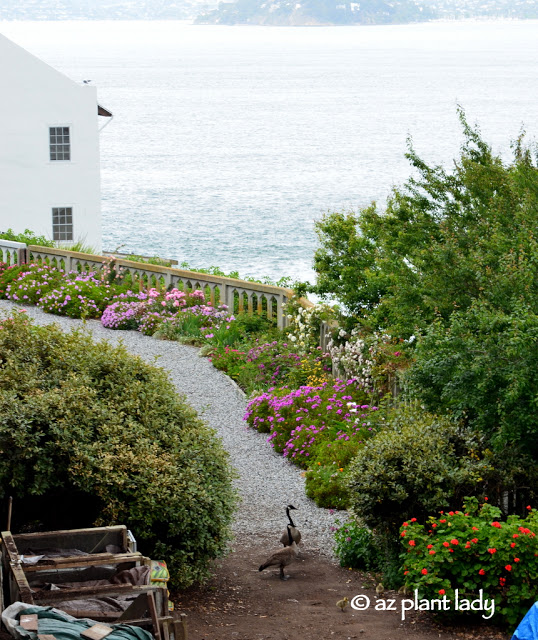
{"x": 250, "y": 297}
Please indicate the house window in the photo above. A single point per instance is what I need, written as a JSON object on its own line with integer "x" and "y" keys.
{"x": 59, "y": 143}
{"x": 62, "y": 223}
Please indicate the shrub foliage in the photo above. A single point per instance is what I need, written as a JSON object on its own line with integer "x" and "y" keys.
{"x": 84, "y": 417}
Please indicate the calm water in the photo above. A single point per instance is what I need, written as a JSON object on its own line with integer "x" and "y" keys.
{"x": 228, "y": 142}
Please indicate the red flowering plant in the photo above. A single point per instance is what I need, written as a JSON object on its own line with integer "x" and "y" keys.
{"x": 471, "y": 551}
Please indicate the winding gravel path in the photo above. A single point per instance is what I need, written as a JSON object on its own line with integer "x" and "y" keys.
{"x": 267, "y": 482}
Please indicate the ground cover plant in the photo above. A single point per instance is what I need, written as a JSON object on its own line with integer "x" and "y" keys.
{"x": 257, "y": 365}
{"x": 319, "y": 429}
{"x": 88, "y": 424}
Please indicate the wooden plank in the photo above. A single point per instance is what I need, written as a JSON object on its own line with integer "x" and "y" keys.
{"x": 137, "y": 608}
{"x": 97, "y": 632}
{"x": 10, "y": 546}
{"x": 83, "y": 539}
{"x": 82, "y": 592}
{"x": 50, "y": 597}
{"x": 29, "y": 622}
{"x": 75, "y": 562}
{"x": 100, "y": 616}
{"x": 153, "y": 614}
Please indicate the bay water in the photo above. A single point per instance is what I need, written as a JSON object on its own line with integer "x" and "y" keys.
{"x": 227, "y": 143}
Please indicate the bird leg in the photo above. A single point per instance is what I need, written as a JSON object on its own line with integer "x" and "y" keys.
{"x": 282, "y": 576}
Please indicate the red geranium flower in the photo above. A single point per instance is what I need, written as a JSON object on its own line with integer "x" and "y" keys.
{"x": 430, "y": 546}
{"x": 482, "y": 572}
{"x": 516, "y": 559}
{"x": 412, "y": 543}
{"x": 454, "y": 541}
{"x": 496, "y": 524}
{"x": 432, "y": 552}
{"x": 492, "y": 551}
{"x": 446, "y": 544}
{"x": 508, "y": 567}
{"x": 442, "y": 521}
{"x": 475, "y": 540}
{"x": 476, "y": 529}
{"x": 512, "y": 544}
{"x": 413, "y": 519}
{"x": 424, "y": 572}
{"x": 442, "y": 592}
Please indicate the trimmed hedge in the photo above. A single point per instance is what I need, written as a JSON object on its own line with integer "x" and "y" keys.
{"x": 80, "y": 418}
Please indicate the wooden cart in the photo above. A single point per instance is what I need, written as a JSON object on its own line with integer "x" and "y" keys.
{"x": 149, "y": 607}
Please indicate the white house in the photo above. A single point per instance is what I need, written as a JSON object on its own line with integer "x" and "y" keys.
{"x": 49, "y": 150}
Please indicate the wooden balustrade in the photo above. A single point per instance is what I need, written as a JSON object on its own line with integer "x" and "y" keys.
{"x": 245, "y": 296}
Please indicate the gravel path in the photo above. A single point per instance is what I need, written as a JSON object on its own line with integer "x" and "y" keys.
{"x": 267, "y": 482}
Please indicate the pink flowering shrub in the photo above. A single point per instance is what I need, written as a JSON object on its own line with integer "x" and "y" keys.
{"x": 31, "y": 282}
{"x": 317, "y": 428}
{"x": 472, "y": 551}
{"x": 122, "y": 315}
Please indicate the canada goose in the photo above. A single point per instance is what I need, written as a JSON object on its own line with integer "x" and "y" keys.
{"x": 380, "y": 590}
{"x": 283, "y": 557}
{"x": 295, "y": 533}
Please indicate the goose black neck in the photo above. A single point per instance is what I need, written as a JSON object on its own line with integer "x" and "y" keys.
{"x": 289, "y": 517}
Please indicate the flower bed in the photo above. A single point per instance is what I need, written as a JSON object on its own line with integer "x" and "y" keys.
{"x": 472, "y": 552}
{"x": 319, "y": 429}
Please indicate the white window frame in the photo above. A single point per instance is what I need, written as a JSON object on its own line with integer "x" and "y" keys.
{"x": 61, "y": 143}
{"x": 67, "y": 211}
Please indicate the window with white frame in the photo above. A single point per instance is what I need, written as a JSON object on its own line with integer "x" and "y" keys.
{"x": 59, "y": 143}
{"x": 62, "y": 223}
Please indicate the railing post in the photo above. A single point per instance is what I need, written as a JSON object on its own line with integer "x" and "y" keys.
{"x": 22, "y": 256}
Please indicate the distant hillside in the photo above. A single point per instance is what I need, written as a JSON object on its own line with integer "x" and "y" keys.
{"x": 312, "y": 12}
{"x": 297, "y": 12}
{"x": 458, "y": 9}
{"x": 101, "y": 9}
{"x": 271, "y": 12}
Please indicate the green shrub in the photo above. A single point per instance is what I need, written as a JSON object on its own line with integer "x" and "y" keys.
{"x": 85, "y": 418}
{"x": 327, "y": 487}
{"x": 474, "y": 551}
{"x": 28, "y": 237}
{"x": 416, "y": 464}
{"x": 356, "y": 547}
{"x": 482, "y": 369}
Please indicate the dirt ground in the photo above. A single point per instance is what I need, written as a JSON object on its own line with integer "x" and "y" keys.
{"x": 240, "y": 603}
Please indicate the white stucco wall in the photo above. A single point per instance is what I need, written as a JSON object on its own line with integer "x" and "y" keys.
{"x": 34, "y": 97}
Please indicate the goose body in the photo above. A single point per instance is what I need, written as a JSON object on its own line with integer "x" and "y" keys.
{"x": 283, "y": 557}
{"x": 295, "y": 533}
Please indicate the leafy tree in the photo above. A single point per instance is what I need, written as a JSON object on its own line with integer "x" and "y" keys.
{"x": 482, "y": 369}
{"x": 447, "y": 238}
